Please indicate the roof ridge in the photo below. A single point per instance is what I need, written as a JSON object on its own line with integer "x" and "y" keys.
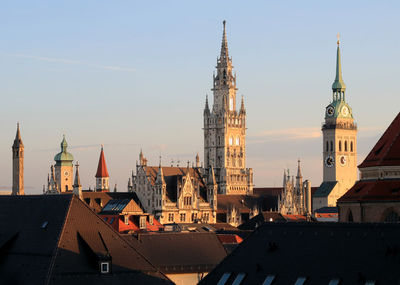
{"x": 53, "y": 259}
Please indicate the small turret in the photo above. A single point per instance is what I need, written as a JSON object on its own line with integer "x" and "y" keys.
{"x": 102, "y": 177}
{"x": 206, "y": 108}
{"x": 197, "y": 160}
{"x": 77, "y": 187}
{"x": 242, "y": 108}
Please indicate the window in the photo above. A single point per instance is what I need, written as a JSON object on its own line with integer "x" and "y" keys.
{"x": 170, "y": 217}
{"x": 206, "y": 216}
{"x": 231, "y": 141}
{"x": 327, "y": 146}
{"x": 183, "y": 217}
{"x": 239, "y": 278}
{"x": 142, "y": 222}
{"x": 237, "y": 140}
{"x": 187, "y": 201}
{"x": 224, "y": 278}
{"x": 345, "y": 146}
{"x": 105, "y": 267}
{"x": 300, "y": 281}
{"x": 334, "y": 282}
{"x": 351, "y": 146}
{"x": 230, "y": 104}
{"x": 340, "y": 145}
{"x": 350, "y": 217}
{"x": 269, "y": 279}
{"x": 194, "y": 217}
{"x": 392, "y": 217}
{"x": 151, "y": 220}
{"x": 331, "y": 145}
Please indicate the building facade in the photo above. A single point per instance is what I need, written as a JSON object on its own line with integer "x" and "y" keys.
{"x": 295, "y": 198}
{"x": 225, "y": 131}
{"x": 175, "y": 194}
{"x": 339, "y": 145}
{"x": 18, "y": 165}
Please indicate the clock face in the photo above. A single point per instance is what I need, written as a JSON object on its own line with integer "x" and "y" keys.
{"x": 66, "y": 173}
{"x": 345, "y": 111}
{"x": 330, "y": 110}
{"x": 343, "y": 160}
{"x": 329, "y": 161}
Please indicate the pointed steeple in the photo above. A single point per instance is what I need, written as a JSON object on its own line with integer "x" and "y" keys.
{"x": 298, "y": 169}
{"x": 224, "y": 45}
{"x": 18, "y": 140}
{"x": 160, "y": 176}
{"x": 338, "y": 85}
{"x": 284, "y": 177}
{"x": 102, "y": 167}
{"x": 77, "y": 187}
{"x": 242, "y": 108}
{"x": 206, "y": 108}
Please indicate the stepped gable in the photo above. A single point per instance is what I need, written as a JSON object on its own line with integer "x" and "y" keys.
{"x": 386, "y": 152}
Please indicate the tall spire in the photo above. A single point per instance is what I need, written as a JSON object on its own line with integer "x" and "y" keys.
{"x": 102, "y": 167}
{"x": 242, "y": 108}
{"x": 298, "y": 169}
{"x": 224, "y": 45}
{"x": 338, "y": 85}
{"x": 18, "y": 140}
{"x": 207, "y": 108}
{"x": 77, "y": 187}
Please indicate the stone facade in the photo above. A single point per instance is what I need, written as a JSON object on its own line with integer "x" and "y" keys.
{"x": 296, "y": 196}
{"x": 225, "y": 131}
{"x": 175, "y": 194}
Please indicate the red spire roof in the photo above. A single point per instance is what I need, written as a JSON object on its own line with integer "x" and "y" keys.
{"x": 386, "y": 152}
{"x": 102, "y": 167}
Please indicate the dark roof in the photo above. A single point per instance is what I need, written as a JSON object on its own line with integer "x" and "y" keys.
{"x": 261, "y": 218}
{"x": 57, "y": 239}
{"x": 327, "y": 210}
{"x": 320, "y": 252}
{"x": 373, "y": 190}
{"x": 325, "y": 189}
{"x": 386, "y": 152}
{"x": 243, "y": 203}
{"x": 117, "y": 206}
{"x": 181, "y": 252}
{"x": 267, "y": 191}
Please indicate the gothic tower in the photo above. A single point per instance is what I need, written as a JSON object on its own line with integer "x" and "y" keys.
{"x": 102, "y": 177}
{"x": 225, "y": 130}
{"x": 63, "y": 168}
{"x": 339, "y": 144}
{"x": 18, "y": 165}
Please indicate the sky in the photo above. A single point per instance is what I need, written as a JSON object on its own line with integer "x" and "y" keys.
{"x": 133, "y": 75}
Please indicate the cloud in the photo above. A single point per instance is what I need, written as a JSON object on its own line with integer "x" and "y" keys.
{"x": 292, "y": 134}
{"x": 70, "y": 62}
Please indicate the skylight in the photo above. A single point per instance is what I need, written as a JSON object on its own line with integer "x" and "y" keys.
{"x": 224, "y": 278}
{"x": 239, "y": 278}
{"x": 300, "y": 281}
{"x": 269, "y": 279}
{"x": 44, "y": 225}
{"x": 334, "y": 282}
{"x": 370, "y": 282}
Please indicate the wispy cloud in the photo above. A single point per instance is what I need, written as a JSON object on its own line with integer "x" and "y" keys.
{"x": 69, "y": 62}
{"x": 291, "y": 134}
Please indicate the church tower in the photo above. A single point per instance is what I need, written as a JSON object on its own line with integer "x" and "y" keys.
{"x": 102, "y": 177}
{"x": 225, "y": 130}
{"x": 63, "y": 168}
{"x": 339, "y": 145}
{"x": 18, "y": 164}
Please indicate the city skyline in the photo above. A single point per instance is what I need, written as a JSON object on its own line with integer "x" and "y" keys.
{"x": 128, "y": 104}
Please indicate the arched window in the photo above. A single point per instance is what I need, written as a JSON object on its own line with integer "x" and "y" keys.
{"x": 350, "y": 217}
{"x": 345, "y": 145}
{"x": 340, "y": 145}
{"x": 327, "y": 146}
{"x": 351, "y": 146}
{"x": 331, "y": 145}
{"x": 237, "y": 140}
{"x": 230, "y": 140}
{"x": 392, "y": 217}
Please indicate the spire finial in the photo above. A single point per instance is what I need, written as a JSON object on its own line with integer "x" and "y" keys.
{"x": 224, "y": 45}
{"x": 102, "y": 146}
{"x": 338, "y": 85}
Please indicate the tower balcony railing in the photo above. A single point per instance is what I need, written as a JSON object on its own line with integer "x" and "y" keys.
{"x": 342, "y": 126}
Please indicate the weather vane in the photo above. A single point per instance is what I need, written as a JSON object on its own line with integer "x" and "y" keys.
{"x": 338, "y": 38}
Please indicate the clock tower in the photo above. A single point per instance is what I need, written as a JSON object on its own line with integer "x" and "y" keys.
{"x": 339, "y": 145}
{"x": 63, "y": 168}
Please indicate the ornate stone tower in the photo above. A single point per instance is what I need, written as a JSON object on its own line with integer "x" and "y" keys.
{"x": 339, "y": 145}
{"x": 102, "y": 177}
{"x": 225, "y": 131}
{"x": 18, "y": 165}
{"x": 63, "y": 168}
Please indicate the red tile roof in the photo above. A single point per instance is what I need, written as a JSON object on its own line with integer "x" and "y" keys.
{"x": 386, "y": 152}
{"x": 373, "y": 190}
{"x": 229, "y": 238}
{"x": 102, "y": 167}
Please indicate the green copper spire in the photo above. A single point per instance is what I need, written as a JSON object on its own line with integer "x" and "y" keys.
{"x": 338, "y": 85}
{"x": 64, "y": 157}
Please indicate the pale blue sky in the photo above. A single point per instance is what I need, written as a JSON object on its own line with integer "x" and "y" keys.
{"x": 134, "y": 74}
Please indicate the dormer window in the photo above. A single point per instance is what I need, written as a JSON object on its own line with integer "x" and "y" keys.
{"x": 142, "y": 222}
{"x": 105, "y": 267}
